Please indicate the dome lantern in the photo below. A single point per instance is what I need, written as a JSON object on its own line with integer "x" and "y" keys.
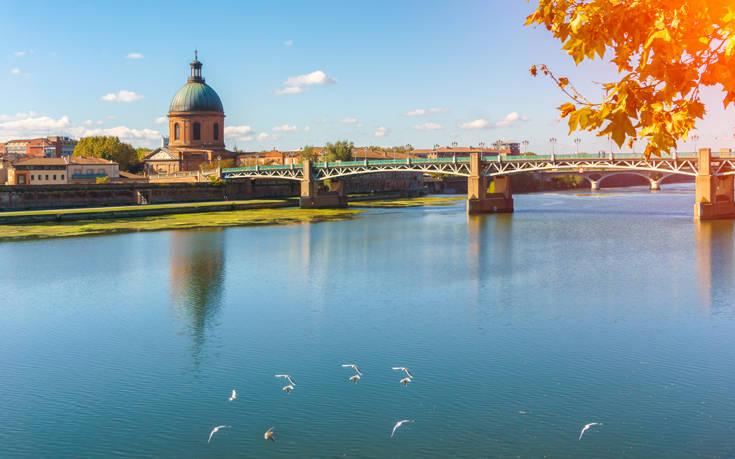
{"x": 196, "y": 70}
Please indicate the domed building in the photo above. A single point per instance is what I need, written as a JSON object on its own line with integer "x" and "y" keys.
{"x": 196, "y": 121}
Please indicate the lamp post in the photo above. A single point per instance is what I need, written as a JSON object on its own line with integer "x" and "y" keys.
{"x": 525, "y": 146}
{"x": 552, "y": 141}
{"x": 482, "y": 146}
{"x": 577, "y": 141}
{"x": 695, "y": 138}
{"x": 454, "y": 144}
{"x": 219, "y": 158}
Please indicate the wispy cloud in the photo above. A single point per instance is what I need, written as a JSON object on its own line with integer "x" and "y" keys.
{"x": 428, "y": 127}
{"x": 381, "y": 131}
{"x": 508, "y": 120}
{"x": 288, "y": 42}
{"x": 421, "y": 111}
{"x": 15, "y": 71}
{"x": 299, "y": 83}
{"x": 123, "y": 132}
{"x": 307, "y": 128}
{"x": 122, "y": 96}
{"x": 19, "y": 53}
{"x": 285, "y": 128}
{"x": 348, "y": 120}
{"x": 134, "y": 56}
{"x": 161, "y": 120}
{"x": 237, "y": 131}
{"x": 264, "y": 136}
{"x": 438, "y": 110}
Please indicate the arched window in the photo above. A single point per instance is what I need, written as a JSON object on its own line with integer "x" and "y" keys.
{"x": 216, "y": 131}
{"x": 197, "y": 131}
{"x": 176, "y": 131}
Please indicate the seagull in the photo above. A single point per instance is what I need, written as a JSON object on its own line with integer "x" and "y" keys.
{"x": 399, "y": 424}
{"x": 404, "y": 369}
{"x": 354, "y": 378}
{"x": 288, "y": 388}
{"x": 234, "y": 395}
{"x": 287, "y": 377}
{"x": 352, "y": 365}
{"x": 585, "y": 428}
{"x": 405, "y": 381}
{"x": 269, "y": 435}
{"x": 214, "y": 431}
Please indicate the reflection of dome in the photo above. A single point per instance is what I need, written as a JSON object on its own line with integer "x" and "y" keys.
{"x": 195, "y": 96}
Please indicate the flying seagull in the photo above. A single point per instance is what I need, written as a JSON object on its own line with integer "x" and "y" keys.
{"x": 214, "y": 431}
{"x": 234, "y": 395}
{"x": 354, "y": 378}
{"x": 288, "y": 388}
{"x": 352, "y": 365}
{"x": 399, "y": 424}
{"x": 586, "y": 427}
{"x": 405, "y": 381}
{"x": 287, "y": 377}
{"x": 404, "y": 369}
{"x": 269, "y": 435}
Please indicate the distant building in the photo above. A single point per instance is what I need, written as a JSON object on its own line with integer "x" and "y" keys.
{"x": 42, "y": 147}
{"x": 60, "y": 171}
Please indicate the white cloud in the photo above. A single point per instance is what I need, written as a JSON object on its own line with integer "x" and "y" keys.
{"x": 428, "y": 127}
{"x": 508, "y": 120}
{"x": 122, "y": 96}
{"x": 477, "y": 124}
{"x": 246, "y": 138}
{"x": 20, "y": 53}
{"x": 316, "y": 77}
{"x": 29, "y": 126}
{"x": 348, "y": 120}
{"x": 15, "y": 71}
{"x": 161, "y": 120}
{"x": 88, "y": 122}
{"x": 291, "y": 90}
{"x": 421, "y": 111}
{"x": 307, "y": 128}
{"x": 235, "y": 131}
{"x": 98, "y": 122}
{"x": 288, "y": 42}
{"x": 417, "y": 112}
{"x": 298, "y": 84}
{"x": 380, "y": 131}
{"x": 123, "y": 132}
{"x": 264, "y": 136}
{"x": 285, "y": 128}
{"x": 134, "y": 56}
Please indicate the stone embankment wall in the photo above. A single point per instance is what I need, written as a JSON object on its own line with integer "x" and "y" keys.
{"x": 26, "y": 197}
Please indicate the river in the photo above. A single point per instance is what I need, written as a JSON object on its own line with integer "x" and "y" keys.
{"x": 518, "y": 329}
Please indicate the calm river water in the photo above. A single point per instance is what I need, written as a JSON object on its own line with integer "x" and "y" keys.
{"x": 519, "y": 329}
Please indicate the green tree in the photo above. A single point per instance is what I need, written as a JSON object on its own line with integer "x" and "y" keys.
{"x": 665, "y": 51}
{"x": 338, "y": 151}
{"x": 308, "y": 154}
{"x": 109, "y": 148}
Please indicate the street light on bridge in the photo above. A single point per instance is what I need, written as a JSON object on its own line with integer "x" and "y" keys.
{"x": 577, "y": 141}
{"x": 695, "y": 138}
{"x": 552, "y": 141}
{"x": 525, "y": 146}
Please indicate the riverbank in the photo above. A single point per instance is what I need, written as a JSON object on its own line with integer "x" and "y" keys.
{"x": 270, "y": 212}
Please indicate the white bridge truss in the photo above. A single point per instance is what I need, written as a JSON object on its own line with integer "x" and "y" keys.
{"x": 490, "y": 167}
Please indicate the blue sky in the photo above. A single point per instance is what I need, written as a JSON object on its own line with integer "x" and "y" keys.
{"x": 362, "y": 71}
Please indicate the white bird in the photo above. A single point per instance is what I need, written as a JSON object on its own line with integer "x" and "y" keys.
{"x": 353, "y": 366}
{"x": 269, "y": 435}
{"x": 399, "y": 424}
{"x": 288, "y": 389}
{"x": 586, "y": 428}
{"x": 214, "y": 431}
{"x": 405, "y": 381}
{"x": 287, "y": 377}
{"x": 234, "y": 395}
{"x": 354, "y": 378}
{"x": 404, "y": 369}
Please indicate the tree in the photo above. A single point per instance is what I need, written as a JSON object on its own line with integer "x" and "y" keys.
{"x": 665, "y": 51}
{"x": 308, "y": 154}
{"x": 109, "y": 148}
{"x": 338, "y": 151}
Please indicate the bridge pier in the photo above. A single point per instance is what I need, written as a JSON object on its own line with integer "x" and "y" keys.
{"x": 655, "y": 184}
{"x": 311, "y": 198}
{"x": 478, "y": 199}
{"x": 594, "y": 184}
{"x": 715, "y": 195}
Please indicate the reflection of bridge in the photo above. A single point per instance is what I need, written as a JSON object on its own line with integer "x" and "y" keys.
{"x": 714, "y": 176}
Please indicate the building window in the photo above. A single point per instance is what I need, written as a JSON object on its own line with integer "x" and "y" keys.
{"x": 54, "y": 176}
{"x": 46, "y": 176}
{"x": 197, "y": 131}
{"x": 31, "y": 177}
{"x": 62, "y": 176}
{"x": 216, "y": 131}
{"x": 176, "y": 131}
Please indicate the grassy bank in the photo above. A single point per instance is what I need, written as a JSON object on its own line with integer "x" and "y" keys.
{"x": 251, "y": 217}
{"x": 411, "y": 202}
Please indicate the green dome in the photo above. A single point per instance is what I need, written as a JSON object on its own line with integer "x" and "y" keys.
{"x": 196, "y": 96}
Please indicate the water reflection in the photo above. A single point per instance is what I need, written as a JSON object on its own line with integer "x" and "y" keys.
{"x": 714, "y": 240}
{"x": 197, "y": 280}
{"x": 490, "y": 253}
